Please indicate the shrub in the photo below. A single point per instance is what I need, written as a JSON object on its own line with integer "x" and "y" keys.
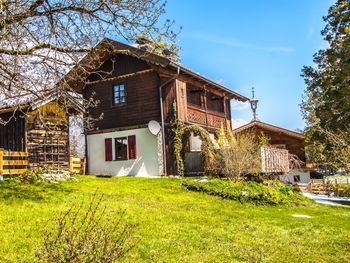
{"x": 239, "y": 154}
{"x": 32, "y": 176}
{"x": 341, "y": 190}
{"x": 87, "y": 234}
{"x": 50, "y": 173}
{"x": 269, "y": 192}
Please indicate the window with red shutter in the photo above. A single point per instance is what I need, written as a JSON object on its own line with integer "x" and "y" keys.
{"x": 108, "y": 149}
{"x": 132, "y": 147}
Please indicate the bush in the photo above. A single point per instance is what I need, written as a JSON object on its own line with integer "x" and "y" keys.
{"x": 267, "y": 193}
{"x": 32, "y": 176}
{"x": 239, "y": 155}
{"x": 49, "y": 173}
{"x": 341, "y": 190}
{"x": 87, "y": 234}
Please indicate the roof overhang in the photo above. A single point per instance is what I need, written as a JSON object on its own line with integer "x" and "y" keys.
{"x": 273, "y": 128}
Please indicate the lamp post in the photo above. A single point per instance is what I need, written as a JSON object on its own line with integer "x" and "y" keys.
{"x": 253, "y": 105}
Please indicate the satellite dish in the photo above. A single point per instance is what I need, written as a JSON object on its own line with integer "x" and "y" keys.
{"x": 154, "y": 127}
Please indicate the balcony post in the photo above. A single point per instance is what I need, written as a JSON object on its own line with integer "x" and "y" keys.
{"x": 225, "y": 111}
{"x": 205, "y": 106}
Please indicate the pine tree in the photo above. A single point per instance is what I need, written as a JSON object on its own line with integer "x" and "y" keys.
{"x": 326, "y": 106}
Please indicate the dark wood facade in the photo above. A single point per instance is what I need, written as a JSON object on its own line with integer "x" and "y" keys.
{"x": 142, "y": 98}
{"x": 43, "y": 132}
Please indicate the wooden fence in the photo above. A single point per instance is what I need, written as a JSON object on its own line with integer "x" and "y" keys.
{"x": 15, "y": 163}
{"x": 324, "y": 186}
{"x": 274, "y": 160}
{"x": 12, "y": 163}
{"x": 77, "y": 165}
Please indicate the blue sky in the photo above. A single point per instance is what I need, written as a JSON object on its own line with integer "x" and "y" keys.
{"x": 260, "y": 43}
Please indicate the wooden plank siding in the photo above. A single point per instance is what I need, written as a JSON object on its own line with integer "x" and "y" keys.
{"x": 142, "y": 96}
{"x": 181, "y": 98}
{"x": 12, "y": 135}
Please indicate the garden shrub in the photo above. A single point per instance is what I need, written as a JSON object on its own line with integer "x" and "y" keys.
{"x": 89, "y": 233}
{"x": 267, "y": 193}
{"x": 341, "y": 190}
{"x": 32, "y": 175}
{"x": 49, "y": 173}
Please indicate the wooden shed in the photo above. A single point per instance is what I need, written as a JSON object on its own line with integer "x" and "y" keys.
{"x": 39, "y": 126}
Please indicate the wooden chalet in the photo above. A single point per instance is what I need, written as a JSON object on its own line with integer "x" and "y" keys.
{"x": 280, "y": 138}
{"x": 38, "y": 125}
{"x": 134, "y": 87}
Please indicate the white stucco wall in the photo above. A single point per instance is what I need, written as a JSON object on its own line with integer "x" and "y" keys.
{"x": 304, "y": 177}
{"x": 148, "y": 161}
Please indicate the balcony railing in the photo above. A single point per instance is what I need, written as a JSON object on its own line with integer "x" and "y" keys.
{"x": 199, "y": 116}
{"x": 274, "y": 160}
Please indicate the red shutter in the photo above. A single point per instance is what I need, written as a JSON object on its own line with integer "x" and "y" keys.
{"x": 108, "y": 149}
{"x": 132, "y": 147}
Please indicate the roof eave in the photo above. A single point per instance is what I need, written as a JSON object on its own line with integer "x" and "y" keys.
{"x": 210, "y": 82}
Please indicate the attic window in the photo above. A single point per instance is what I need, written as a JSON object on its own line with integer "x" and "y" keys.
{"x": 119, "y": 94}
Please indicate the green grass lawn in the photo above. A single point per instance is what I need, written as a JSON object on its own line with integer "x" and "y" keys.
{"x": 175, "y": 225}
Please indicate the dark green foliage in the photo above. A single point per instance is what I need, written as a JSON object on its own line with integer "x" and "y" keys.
{"x": 326, "y": 105}
{"x": 89, "y": 233}
{"x": 267, "y": 193}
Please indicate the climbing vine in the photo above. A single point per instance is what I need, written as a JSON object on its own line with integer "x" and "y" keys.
{"x": 182, "y": 135}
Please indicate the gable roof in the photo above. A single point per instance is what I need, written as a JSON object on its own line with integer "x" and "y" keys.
{"x": 269, "y": 127}
{"x": 108, "y": 47}
{"x": 34, "y": 101}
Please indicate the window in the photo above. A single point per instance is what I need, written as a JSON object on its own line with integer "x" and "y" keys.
{"x": 119, "y": 94}
{"x": 124, "y": 148}
{"x": 296, "y": 178}
{"x": 121, "y": 148}
{"x": 195, "y": 143}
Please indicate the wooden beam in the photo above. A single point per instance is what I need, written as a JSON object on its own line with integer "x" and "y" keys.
{"x": 14, "y": 171}
{"x": 15, "y": 154}
{"x": 15, "y": 162}
{"x": 225, "y": 111}
{"x": 130, "y": 75}
{"x": 1, "y": 162}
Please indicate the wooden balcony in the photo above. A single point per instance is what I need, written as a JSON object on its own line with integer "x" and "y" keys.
{"x": 274, "y": 160}
{"x": 199, "y": 116}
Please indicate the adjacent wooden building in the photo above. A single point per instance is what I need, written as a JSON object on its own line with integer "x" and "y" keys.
{"x": 281, "y": 138}
{"x": 37, "y": 125}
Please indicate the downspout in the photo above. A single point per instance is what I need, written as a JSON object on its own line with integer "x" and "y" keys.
{"x": 162, "y": 116}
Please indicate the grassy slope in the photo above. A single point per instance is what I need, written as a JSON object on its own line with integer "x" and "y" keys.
{"x": 176, "y": 225}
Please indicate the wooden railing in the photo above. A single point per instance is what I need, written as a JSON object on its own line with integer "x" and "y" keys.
{"x": 13, "y": 163}
{"x": 274, "y": 160}
{"x": 77, "y": 165}
{"x": 199, "y": 116}
{"x": 325, "y": 186}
